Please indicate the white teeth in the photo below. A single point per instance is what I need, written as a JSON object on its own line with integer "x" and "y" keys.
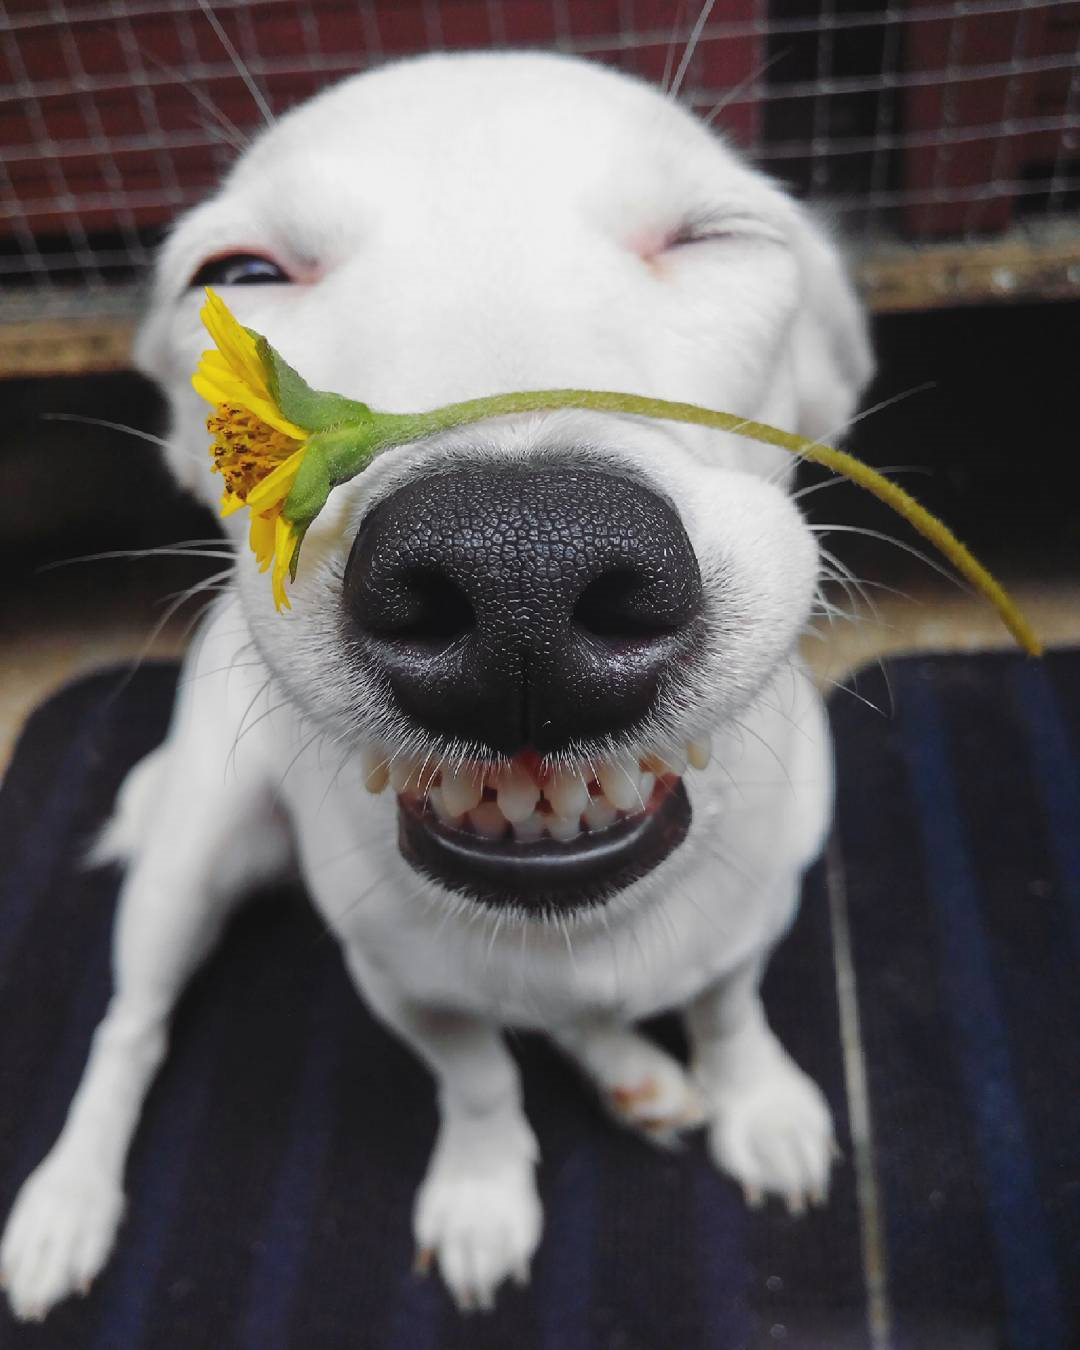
{"x": 437, "y": 798}
{"x": 626, "y": 785}
{"x": 563, "y": 829}
{"x": 517, "y": 793}
{"x": 403, "y": 772}
{"x": 699, "y": 752}
{"x": 599, "y": 813}
{"x": 488, "y": 821}
{"x": 530, "y": 829}
{"x": 374, "y": 765}
{"x": 619, "y": 783}
{"x": 568, "y": 794}
{"x": 461, "y": 790}
{"x": 666, "y": 759}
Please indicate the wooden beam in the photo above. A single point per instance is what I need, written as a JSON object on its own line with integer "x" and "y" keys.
{"x": 940, "y": 276}
{"x": 77, "y": 346}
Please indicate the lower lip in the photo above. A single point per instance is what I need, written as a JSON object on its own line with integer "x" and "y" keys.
{"x": 545, "y": 876}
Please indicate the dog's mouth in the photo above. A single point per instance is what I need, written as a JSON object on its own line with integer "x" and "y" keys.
{"x": 520, "y": 834}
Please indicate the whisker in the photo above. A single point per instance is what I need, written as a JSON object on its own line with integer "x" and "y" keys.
{"x": 691, "y": 47}
{"x": 669, "y": 59}
{"x": 958, "y": 582}
{"x": 110, "y": 426}
{"x": 731, "y": 95}
{"x": 183, "y": 550}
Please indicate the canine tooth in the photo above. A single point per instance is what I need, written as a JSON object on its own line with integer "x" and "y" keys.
{"x": 666, "y": 759}
{"x": 568, "y": 794}
{"x": 530, "y": 829}
{"x": 517, "y": 794}
{"x": 619, "y": 782}
{"x": 599, "y": 814}
{"x": 404, "y": 772}
{"x": 375, "y": 767}
{"x": 563, "y": 829}
{"x": 437, "y": 798}
{"x": 645, "y": 787}
{"x": 699, "y": 752}
{"x": 461, "y": 790}
{"x": 488, "y": 821}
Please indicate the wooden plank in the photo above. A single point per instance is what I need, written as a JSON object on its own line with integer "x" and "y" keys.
{"x": 937, "y": 277}
{"x": 76, "y": 346}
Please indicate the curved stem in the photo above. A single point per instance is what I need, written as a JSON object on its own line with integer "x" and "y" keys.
{"x": 401, "y": 429}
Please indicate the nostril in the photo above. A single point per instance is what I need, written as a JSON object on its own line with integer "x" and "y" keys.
{"x": 617, "y": 607}
{"x": 430, "y": 611}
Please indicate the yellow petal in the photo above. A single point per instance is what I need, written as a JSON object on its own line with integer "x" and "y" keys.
{"x": 234, "y": 342}
{"x": 261, "y": 535}
{"x": 284, "y": 542}
{"x": 277, "y": 484}
{"x": 217, "y": 389}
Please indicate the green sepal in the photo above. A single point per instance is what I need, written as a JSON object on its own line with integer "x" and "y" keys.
{"x": 336, "y": 456}
{"x": 294, "y": 561}
{"x": 311, "y": 409}
{"x": 311, "y": 487}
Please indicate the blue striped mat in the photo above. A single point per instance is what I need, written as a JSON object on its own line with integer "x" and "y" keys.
{"x": 930, "y": 985}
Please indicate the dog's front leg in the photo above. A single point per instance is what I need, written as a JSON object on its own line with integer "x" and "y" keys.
{"x": 769, "y": 1124}
{"x": 202, "y": 834}
{"x": 477, "y": 1211}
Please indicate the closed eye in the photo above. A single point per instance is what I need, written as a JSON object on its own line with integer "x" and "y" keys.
{"x": 710, "y": 227}
{"x": 240, "y": 269}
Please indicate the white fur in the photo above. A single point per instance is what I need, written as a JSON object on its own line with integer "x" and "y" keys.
{"x": 464, "y": 225}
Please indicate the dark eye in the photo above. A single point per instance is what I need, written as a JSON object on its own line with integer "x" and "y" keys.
{"x": 240, "y": 269}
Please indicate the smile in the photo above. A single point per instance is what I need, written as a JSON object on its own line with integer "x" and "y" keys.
{"x": 521, "y": 835}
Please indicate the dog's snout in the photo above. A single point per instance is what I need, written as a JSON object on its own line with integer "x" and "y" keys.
{"x": 522, "y": 606}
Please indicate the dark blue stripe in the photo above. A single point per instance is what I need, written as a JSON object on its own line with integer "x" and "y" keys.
{"x": 1026, "y": 1266}
{"x": 721, "y": 1241}
{"x": 279, "y": 1256}
{"x": 162, "y": 1161}
{"x": 1057, "y": 776}
{"x": 39, "y": 857}
{"x": 566, "y": 1263}
{"x": 413, "y": 1323}
{"x": 48, "y": 1108}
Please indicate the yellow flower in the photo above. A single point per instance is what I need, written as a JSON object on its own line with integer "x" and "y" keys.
{"x": 255, "y": 448}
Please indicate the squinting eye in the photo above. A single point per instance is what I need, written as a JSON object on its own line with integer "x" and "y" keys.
{"x": 240, "y": 269}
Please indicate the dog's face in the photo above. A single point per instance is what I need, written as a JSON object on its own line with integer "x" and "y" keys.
{"x": 535, "y": 620}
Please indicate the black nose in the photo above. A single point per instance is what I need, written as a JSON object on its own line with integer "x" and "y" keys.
{"x": 524, "y": 606}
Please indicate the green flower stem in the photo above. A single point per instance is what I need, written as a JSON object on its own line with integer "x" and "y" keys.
{"x": 348, "y": 449}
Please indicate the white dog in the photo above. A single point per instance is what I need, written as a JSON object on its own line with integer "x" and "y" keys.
{"x": 530, "y": 628}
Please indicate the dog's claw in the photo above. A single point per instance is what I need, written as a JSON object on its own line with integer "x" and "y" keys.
{"x": 754, "y": 1197}
{"x": 422, "y": 1261}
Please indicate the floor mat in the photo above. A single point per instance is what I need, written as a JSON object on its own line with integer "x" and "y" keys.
{"x": 930, "y": 986}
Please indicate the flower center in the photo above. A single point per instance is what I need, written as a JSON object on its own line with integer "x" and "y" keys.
{"x": 245, "y": 447}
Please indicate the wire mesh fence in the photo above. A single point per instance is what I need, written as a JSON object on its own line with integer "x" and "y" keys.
{"x": 916, "y": 123}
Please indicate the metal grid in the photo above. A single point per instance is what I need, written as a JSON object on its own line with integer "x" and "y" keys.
{"x": 915, "y": 122}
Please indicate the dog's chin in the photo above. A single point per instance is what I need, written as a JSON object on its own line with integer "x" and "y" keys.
{"x": 545, "y": 875}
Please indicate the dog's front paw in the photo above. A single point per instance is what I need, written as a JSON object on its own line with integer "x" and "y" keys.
{"x": 479, "y": 1215}
{"x": 60, "y": 1233}
{"x": 773, "y": 1133}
